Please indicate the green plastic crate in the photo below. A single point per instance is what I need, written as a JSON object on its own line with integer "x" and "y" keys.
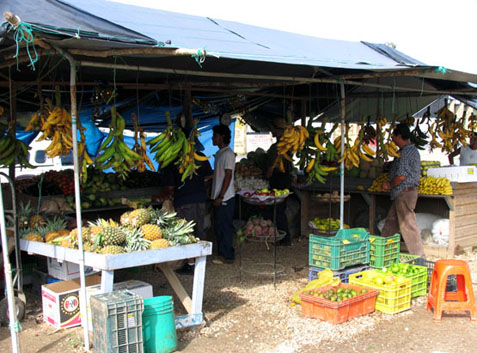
{"x": 418, "y": 275}
{"x": 347, "y": 248}
{"x": 384, "y": 251}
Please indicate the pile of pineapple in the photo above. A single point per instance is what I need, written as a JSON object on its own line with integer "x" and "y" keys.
{"x": 138, "y": 230}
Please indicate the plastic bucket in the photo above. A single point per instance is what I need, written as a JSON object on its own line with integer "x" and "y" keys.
{"x": 158, "y": 325}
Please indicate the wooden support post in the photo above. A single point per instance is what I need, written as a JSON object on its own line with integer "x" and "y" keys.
{"x": 177, "y": 287}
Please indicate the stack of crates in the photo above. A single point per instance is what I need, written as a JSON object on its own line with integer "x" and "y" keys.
{"x": 117, "y": 322}
{"x": 345, "y": 253}
{"x": 393, "y": 297}
{"x": 384, "y": 251}
{"x": 417, "y": 260}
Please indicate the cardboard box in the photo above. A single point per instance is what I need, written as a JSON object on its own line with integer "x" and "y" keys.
{"x": 60, "y": 301}
{"x": 461, "y": 174}
{"x": 66, "y": 270}
{"x": 139, "y": 287}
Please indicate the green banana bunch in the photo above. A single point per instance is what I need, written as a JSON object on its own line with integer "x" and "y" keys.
{"x": 317, "y": 171}
{"x": 331, "y": 152}
{"x": 419, "y": 138}
{"x": 115, "y": 152}
{"x": 13, "y": 151}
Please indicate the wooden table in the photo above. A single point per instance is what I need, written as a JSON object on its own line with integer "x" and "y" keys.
{"x": 108, "y": 263}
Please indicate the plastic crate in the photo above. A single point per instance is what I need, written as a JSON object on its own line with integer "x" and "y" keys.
{"x": 418, "y": 277}
{"x": 384, "y": 251}
{"x": 348, "y": 247}
{"x": 338, "y": 312}
{"x": 393, "y": 297}
{"x": 342, "y": 274}
{"x": 416, "y": 260}
{"x": 117, "y": 322}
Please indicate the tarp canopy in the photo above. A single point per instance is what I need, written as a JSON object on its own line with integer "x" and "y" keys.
{"x": 228, "y": 67}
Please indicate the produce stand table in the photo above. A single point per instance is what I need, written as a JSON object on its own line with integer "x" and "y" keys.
{"x": 460, "y": 208}
{"x": 108, "y": 263}
{"x": 311, "y": 208}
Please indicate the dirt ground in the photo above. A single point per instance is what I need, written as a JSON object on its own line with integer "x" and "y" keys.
{"x": 245, "y": 312}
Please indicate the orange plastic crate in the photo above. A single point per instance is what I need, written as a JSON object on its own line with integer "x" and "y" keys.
{"x": 338, "y": 312}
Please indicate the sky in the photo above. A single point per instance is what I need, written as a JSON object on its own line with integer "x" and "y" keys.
{"x": 437, "y": 32}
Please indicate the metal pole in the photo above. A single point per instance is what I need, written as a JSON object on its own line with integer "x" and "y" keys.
{"x": 8, "y": 278}
{"x": 343, "y": 118}
{"x": 74, "y": 117}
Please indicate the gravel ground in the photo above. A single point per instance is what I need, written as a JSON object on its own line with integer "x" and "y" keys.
{"x": 245, "y": 312}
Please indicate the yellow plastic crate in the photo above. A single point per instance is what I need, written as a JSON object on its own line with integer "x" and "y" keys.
{"x": 393, "y": 297}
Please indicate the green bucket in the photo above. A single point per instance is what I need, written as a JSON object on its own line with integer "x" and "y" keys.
{"x": 158, "y": 325}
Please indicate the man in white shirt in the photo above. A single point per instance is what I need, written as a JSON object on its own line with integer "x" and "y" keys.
{"x": 223, "y": 194}
{"x": 468, "y": 154}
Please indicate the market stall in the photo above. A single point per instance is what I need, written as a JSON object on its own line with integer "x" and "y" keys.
{"x": 107, "y": 264}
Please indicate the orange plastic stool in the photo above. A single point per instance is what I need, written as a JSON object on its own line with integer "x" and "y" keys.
{"x": 462, "y": 300}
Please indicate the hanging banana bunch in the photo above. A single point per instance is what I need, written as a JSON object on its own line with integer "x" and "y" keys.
{"x": 418, "y": 137}
{"x": 293, "y": 140}
{"x": 116, "y": 153}
{"x": 362, "y": 148}
{"x": 13, "y": 151}
{"x": 187, "y": 161}
{"x": 40, "y": 116}
{"x": 140, "y": 148}
{"x": 451, "y": 130}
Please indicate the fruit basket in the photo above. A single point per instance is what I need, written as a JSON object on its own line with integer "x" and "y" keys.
{"x": 384, "y": 251}
{"x": 418, "y": 275}
{"x": 325, "y": 226}
{"x": 359, "y": 301}
{"x": 348, "y": 247}
{"x": 417, "y": 260}
{"x": 394, "y": 294}
{"x": 267, "y": 238}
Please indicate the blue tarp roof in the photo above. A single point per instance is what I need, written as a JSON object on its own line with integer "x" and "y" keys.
{"x": 237, "y": 40}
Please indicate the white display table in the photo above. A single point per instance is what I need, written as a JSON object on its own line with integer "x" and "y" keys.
{"x": 108, "y": 263}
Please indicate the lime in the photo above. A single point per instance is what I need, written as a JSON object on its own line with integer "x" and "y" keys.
{"x": 363, "y": 291}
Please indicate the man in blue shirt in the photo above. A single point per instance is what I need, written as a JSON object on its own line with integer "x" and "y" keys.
{"x": 403, "y": 182}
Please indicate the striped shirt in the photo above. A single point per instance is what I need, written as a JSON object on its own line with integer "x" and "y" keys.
{"x": 409, "y": 166}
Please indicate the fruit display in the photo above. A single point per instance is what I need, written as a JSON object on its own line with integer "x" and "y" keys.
{"x": 138, "y": 230}
{"x": 140, "y": 148}
{"x": 113, "y": 152}
{"x": 13, "y": 151}
{"x": 377, "y": 185}
{"x": 265, "y": 192}
{"x": 335, "y": 294}
{"x": 256, "y": 226}
{"x": 327, "y": 224}
{"x": 435, "y": 186}
{"x": 425, "y": 165}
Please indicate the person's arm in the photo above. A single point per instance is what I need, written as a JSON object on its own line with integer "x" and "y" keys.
{"x": 397, "y": 180}
{"x": 225, "y": 186}
{"x": 452, "y": 155}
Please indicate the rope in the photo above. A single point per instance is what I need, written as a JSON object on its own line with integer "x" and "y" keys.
{"x": 24, "y": 33}
{"x": 200, "y": 57}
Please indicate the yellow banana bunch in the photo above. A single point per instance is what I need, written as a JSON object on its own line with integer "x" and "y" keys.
{"x": 392, "y": 150}
{"x": 56, "y": 127}
{"x": 115, "y": 152}
{"x": 366, "y": 151}
{"x": 317, "y": 171}
{"x": 316, "y": 141}
{"x": 293, "y": 140}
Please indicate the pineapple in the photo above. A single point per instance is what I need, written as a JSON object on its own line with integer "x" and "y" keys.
{"x": 53, "y": 225}
{"x": 33, "y": 237}
{"x": 63, "y": 232}
{"x": 160, "y": 244}
{"x": 24, "y": 215}
{"x": 151, "y": 231}
{"x": 124, "y": 220}
{"x": 85, "y": 233}
{"x": 87, "y": 246}
{"x": 139, "y": 217}
{"x": 110, "y": 236}
{"x": 161, "y": 218}
{"x": 36, "y": 221}
{"x": 112, "y": 249}
{"x": 135, "y": 240}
